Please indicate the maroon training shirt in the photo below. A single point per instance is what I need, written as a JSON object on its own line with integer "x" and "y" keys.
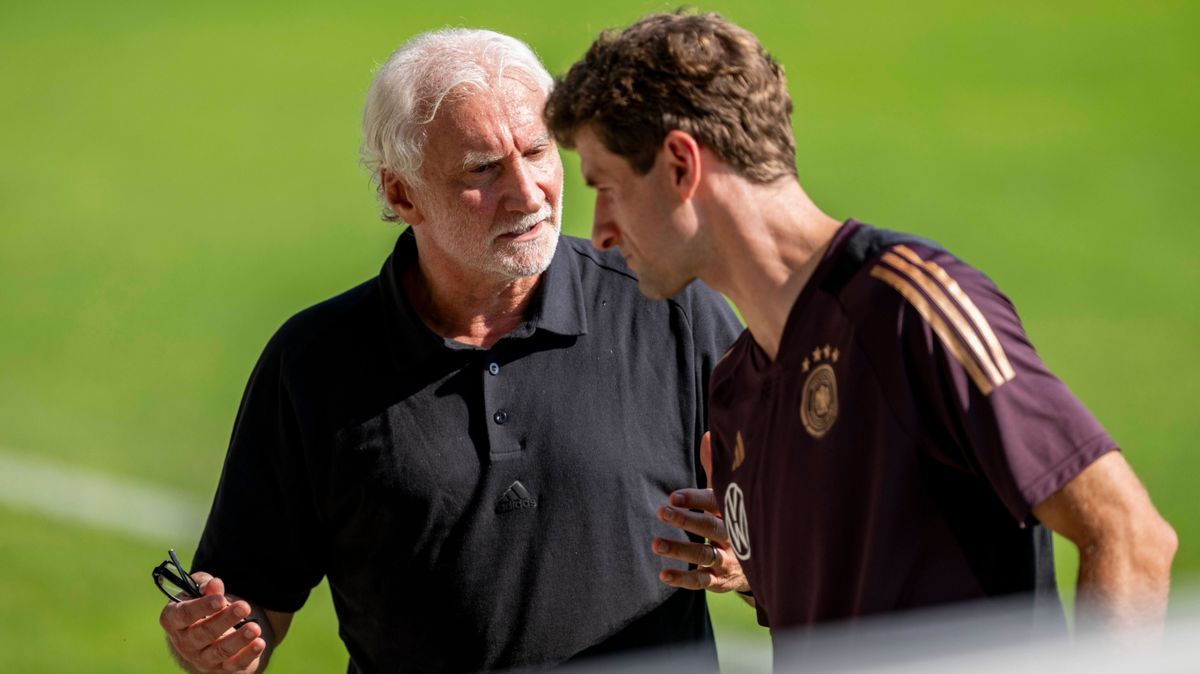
{"x": 892, "y": 454}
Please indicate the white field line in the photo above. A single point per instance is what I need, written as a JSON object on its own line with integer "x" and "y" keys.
{"x": 104, "y": 501}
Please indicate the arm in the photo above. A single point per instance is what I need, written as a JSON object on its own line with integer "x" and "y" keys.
{"x": 1125, "y": 547}
{"x": 200, "y": 636}
{"x": 266, "y": 474}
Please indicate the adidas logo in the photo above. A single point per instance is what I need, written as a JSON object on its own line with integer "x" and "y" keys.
{"x": 516, "y": 497}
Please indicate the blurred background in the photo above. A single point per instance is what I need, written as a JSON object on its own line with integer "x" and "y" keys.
{"x": 179, "y": 178}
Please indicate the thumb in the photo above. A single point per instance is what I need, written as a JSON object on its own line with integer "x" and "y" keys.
{"x": 706, "y": 457}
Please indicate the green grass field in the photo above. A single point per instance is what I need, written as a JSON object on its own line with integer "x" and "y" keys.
{"x": 177, "y": 179}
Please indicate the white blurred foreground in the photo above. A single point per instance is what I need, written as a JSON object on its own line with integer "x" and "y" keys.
{"x": 977, "y": 638}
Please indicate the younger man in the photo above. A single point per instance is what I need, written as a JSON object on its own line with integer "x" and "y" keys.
{"x": 884, "y": 436}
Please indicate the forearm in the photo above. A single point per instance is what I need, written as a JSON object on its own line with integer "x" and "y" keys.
{"x": 1125, "y": 546}
{"x": 1124, "y": 585}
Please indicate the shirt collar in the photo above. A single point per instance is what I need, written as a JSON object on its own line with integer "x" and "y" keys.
{"x": 557, "y": 306}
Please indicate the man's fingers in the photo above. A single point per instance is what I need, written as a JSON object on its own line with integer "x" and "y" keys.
{"x": 699, "y": 579}
{"x": 701, "y": 524}
{"x": 209, "y": 630}
{"x": 244, "y": 658}
{"x": 725, "y": 576}
{"x": 228, "y": 646}
{"x": 208, "y": 584}
{"x": 695, "y": 499}
{"x": 180, "y": 616}
{"x": 700, "y": 554}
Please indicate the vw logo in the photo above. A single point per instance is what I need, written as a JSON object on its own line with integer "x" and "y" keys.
{"x": 735, "y": 521}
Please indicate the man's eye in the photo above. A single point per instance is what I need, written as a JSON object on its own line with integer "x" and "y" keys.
{"x": 483, "y": 168}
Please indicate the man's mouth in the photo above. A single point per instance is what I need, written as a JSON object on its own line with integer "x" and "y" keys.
{"x": 524, "y": 233}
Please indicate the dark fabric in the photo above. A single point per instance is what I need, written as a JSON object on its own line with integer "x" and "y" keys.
{"x": 890, "y": 457}
{"x": 473, "y": 509}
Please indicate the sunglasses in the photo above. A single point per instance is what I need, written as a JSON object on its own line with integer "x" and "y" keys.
{"x": 173, "y": 581}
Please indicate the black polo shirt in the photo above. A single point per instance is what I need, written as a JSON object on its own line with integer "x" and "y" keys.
{"x": 473, "y": 508}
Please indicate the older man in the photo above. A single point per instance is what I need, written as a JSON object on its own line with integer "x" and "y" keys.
{"x": 470, "y": 445}
{"x": 884, "y": 435}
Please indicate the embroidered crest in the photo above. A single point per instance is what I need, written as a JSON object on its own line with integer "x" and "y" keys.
{"x": 819, "y": 398}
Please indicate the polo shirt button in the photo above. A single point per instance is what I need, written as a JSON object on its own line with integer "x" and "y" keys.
{"x": 500, "y": 417}
{"x": 494, "y": 368}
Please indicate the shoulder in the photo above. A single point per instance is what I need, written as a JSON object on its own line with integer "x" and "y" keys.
{"x": 327, "y": 328}
{"x": 931, "y": 281}
{"x": 877, "y": 268}
{"x": 862, "y": 248}
{"x": 916, "y": 293}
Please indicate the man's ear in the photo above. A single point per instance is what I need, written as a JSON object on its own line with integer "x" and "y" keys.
{"x": 397, "y": 192}
{"x": 682, "y": 154}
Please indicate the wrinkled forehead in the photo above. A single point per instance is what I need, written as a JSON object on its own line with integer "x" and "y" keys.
{"x": 496, "y": 118}
{"x": 514, "y": 95}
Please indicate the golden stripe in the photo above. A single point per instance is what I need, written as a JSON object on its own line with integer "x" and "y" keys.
{"x": 939, "y": 326}
{"x": 973, "y": 311}
{"x": 950, "y": 310}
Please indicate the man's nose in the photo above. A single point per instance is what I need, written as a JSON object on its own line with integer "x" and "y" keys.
{"x": 604, "y": 229}
{"x": 525, "y": 196}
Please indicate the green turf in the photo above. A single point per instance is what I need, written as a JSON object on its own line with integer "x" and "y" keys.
{"x": 179, "y": 178}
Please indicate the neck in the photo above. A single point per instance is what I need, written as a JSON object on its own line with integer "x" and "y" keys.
{"x": 771, "y": 239}
{"x": 465, "y": 305}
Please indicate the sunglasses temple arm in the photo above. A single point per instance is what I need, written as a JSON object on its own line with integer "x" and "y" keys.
{"x": 187, "y": 577}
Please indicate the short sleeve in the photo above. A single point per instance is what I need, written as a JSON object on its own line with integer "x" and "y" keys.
{"x": 260, "y": 537}
{"x": 983, "y": 401}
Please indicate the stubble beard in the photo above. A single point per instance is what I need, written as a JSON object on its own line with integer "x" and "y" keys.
{"x": 501, "y": 258}
{"x": 529, "y": 258}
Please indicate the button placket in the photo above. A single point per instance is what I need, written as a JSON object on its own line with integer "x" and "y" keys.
{"x": 503, "y": 432}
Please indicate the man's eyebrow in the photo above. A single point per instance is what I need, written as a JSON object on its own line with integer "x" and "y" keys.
{"x": 474, "y": 159}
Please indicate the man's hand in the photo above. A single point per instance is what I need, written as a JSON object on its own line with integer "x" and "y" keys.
{"x": 201, "y": 635}
{"x": 1125, "y": 547}
{"x": 717, "y": 568}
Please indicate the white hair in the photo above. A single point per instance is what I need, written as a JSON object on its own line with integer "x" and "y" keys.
{"x": 412, "y": 84}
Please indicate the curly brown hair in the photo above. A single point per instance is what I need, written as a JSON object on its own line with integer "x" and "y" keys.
{"x": 698, "y": 73}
